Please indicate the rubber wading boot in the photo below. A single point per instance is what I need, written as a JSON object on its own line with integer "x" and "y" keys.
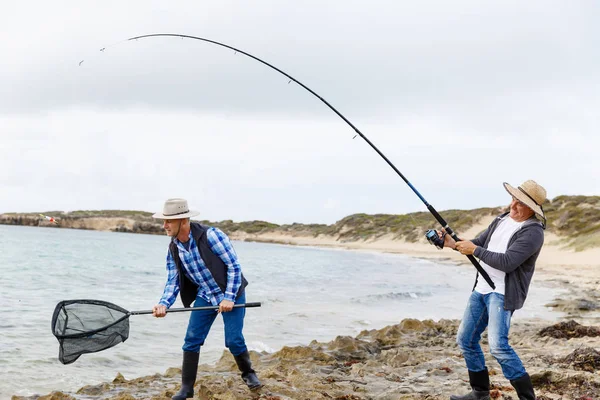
{"x": 524, "y": 387}
{"x": 248, "y": 375}
{"x": 480, "y": 385}
{"x": 189, "y": 369}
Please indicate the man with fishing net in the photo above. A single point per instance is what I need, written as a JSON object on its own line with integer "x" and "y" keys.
{"x": 202, "y": 267}
{"x": 508, "y": 250}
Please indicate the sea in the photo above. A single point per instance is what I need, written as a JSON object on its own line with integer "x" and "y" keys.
{"x": 306, "y": 293}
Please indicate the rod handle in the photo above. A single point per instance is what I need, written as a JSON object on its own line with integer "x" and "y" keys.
{"x": 172, "y": 310}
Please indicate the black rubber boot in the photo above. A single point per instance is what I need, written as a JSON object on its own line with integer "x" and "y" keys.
{"x": 480, "y": 385}
{"x": 524, "y": 387}
{"x": 248, "y": 375}
{"x": 189, "y": 369}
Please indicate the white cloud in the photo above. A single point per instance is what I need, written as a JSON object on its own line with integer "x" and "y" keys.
{"x": 460, "y": 96}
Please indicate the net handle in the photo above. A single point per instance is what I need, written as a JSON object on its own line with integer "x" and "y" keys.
{"x": 246, "y": 305}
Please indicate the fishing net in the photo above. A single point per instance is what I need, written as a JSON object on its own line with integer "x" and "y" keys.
{"x": 88, "y": 326}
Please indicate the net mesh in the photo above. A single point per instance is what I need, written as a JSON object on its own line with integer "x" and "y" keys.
{"x": 88, "y": 326}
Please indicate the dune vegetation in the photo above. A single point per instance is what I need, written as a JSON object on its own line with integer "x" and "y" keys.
{"x": 575, "y": 219}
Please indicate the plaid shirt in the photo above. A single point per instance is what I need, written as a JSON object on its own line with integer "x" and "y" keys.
{"x": 197, "y": 271}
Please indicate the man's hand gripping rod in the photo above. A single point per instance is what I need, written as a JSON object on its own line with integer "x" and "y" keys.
{"x": 453, "y": 235}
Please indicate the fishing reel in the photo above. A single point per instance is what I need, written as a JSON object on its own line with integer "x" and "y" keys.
{"x": 433, "y": 238}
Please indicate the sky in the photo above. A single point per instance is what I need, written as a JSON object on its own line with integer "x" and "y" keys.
{"x": 460, "y": 96}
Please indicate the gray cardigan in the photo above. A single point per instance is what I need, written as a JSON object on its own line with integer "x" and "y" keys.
{"x": 519, "y": 260}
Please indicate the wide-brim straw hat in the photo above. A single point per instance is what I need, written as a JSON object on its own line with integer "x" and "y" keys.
{"x": 529, "y": 193}
{"x": 175, "y": 209}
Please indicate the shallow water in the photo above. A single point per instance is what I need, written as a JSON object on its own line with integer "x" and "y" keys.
{"x": 306, "y": 293}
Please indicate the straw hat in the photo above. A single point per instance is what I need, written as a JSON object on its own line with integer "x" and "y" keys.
{"x": 175, "y": 209}
{"x": 531, "y": 194}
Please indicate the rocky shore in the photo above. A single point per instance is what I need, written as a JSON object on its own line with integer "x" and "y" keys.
{"x": 411, "y": 360}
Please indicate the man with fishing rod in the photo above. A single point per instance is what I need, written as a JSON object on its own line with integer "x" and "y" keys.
{"x": 202, "y": 266}
{"x": 507, "y": 250}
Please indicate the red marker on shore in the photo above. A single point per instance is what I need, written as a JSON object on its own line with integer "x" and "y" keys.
{"x": 51, "y": 219}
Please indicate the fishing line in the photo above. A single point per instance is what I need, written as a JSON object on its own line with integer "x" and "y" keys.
{"x": 104, "y": 48}
{"x": 430, "y": 208}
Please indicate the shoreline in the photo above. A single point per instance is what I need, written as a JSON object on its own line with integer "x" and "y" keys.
{"x": 415, "y": 359}
{"x": 557, "y": 266}
{"x": 412, "y": 360}
{"x": 555, "y": 263}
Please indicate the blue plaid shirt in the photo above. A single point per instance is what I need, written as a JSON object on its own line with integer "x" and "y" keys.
{"x": 197, "y": 271}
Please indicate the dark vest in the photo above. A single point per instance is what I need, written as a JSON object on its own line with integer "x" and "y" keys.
{"x": 188, "y": 290}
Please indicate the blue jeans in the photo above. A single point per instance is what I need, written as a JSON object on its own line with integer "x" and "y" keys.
{"x": 488, "y": 311}
{"x": 202, "y": 320}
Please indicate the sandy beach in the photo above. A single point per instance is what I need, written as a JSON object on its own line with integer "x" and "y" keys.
{"x": 414, "y": 359}
{"x": 556, "y": 263}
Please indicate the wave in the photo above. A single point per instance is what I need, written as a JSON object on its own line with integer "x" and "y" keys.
{"x": 260, "y": 347}
{"x": 390, "y": 296}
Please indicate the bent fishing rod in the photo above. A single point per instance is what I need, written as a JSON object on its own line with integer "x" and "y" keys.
{"x": 431, "y": 209}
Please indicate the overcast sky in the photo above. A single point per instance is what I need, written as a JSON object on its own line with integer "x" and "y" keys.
{"x": 461, "y": 96}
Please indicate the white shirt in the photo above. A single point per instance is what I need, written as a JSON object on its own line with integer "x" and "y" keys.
{"x": 498, "y": 244}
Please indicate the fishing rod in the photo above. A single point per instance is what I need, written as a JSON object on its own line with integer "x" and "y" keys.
{"x": 430, "y": 208}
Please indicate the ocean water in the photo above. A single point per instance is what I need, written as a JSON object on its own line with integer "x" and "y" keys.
{"x": 306, "y": 293}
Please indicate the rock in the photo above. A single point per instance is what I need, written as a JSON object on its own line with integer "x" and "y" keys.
{"x": 51, "y": 396}
{"x": 586, "y": 305}
{"x": 301, "y": 352}
{"x": 411, "y": 325}
{"x": 119, "y": 378}
{"x": 173, "y": 372}
{"x": 394, "y": 358}
{"x": 94, "y": 390}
